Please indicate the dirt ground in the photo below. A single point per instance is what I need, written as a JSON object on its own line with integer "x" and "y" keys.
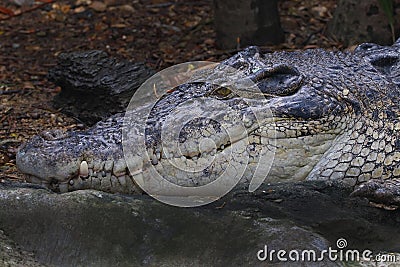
{"x": 158, "y": 32}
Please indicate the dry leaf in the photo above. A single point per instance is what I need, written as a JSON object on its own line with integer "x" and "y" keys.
{"x": 98, "y": 6}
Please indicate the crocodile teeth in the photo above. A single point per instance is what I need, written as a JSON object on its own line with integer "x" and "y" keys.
{"x": 119, "y": 167}
{"x": 122, "y": 180}
{"x": 84, "y": 169}
{"x": 108, "y": 165}
{"x": 154, "y": 159}
{"x": 247, "y": 121}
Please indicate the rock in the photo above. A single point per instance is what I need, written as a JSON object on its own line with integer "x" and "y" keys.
{"x": 91, "y": 228}
{"x": 94, "y": 85}
{"x": 11, "y": 255}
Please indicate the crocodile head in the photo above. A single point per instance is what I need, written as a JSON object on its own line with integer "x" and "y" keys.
{"x": 324, "y": 108}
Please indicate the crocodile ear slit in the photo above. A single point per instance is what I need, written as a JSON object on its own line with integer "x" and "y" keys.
{"x": 280, "y": 80}
{"x": 384, "y": 63}
{"x": 384, "y": 60}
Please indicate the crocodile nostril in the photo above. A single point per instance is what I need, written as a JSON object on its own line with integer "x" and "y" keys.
{"x": 280, "y": 80}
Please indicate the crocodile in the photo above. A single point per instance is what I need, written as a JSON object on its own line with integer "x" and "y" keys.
{"x": 336, "y": 117}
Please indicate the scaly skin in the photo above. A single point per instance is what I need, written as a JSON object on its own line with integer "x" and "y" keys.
{"x": 336, "y": 117}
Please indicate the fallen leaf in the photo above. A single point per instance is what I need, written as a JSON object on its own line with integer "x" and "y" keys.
{"x": 98, "y": 6}
{"x": 118, "y": 25}
{"x": 79, "y": 9}
{"x": 127, "y": 8}
{"x": 28, "y": 85}
{"x": 320, "y": 11}
{"x": 114, "y": 2}
{"x": 6, "y": 11}
{"x": 83, "y": 2}
{"x": 209, "y": 41}
{"x": 65, "y": 8}
{"x": 28, "y": 31}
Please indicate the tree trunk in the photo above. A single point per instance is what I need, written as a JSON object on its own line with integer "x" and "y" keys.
{"x": 356, "y": 22}
{"x": 240, "y": 23}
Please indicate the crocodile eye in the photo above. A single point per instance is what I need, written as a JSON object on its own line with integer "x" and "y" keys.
{"x": 222, "y": 92}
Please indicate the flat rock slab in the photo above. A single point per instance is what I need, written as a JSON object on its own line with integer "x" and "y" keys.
{"x": 91, "y": 228}
{"x": 94, "y": 86}
{"x": 12, "y": 255}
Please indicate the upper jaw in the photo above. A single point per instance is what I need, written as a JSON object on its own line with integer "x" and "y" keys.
{"x": 49, "y": 160}
{"x": 44, "y": 169}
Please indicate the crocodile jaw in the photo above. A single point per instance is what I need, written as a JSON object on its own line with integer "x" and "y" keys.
{"x": 43, "y": 167}
{"x": 57, "y": 160}
{"x": 105, "y": 169}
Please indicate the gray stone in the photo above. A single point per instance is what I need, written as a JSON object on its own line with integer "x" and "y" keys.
{"x": 11, "y": 255}
{"x": 92, "y": 228}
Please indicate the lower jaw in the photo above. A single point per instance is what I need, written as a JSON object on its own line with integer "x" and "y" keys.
{"x": 125, "y": 183}
{"x": 109, "y": 183}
